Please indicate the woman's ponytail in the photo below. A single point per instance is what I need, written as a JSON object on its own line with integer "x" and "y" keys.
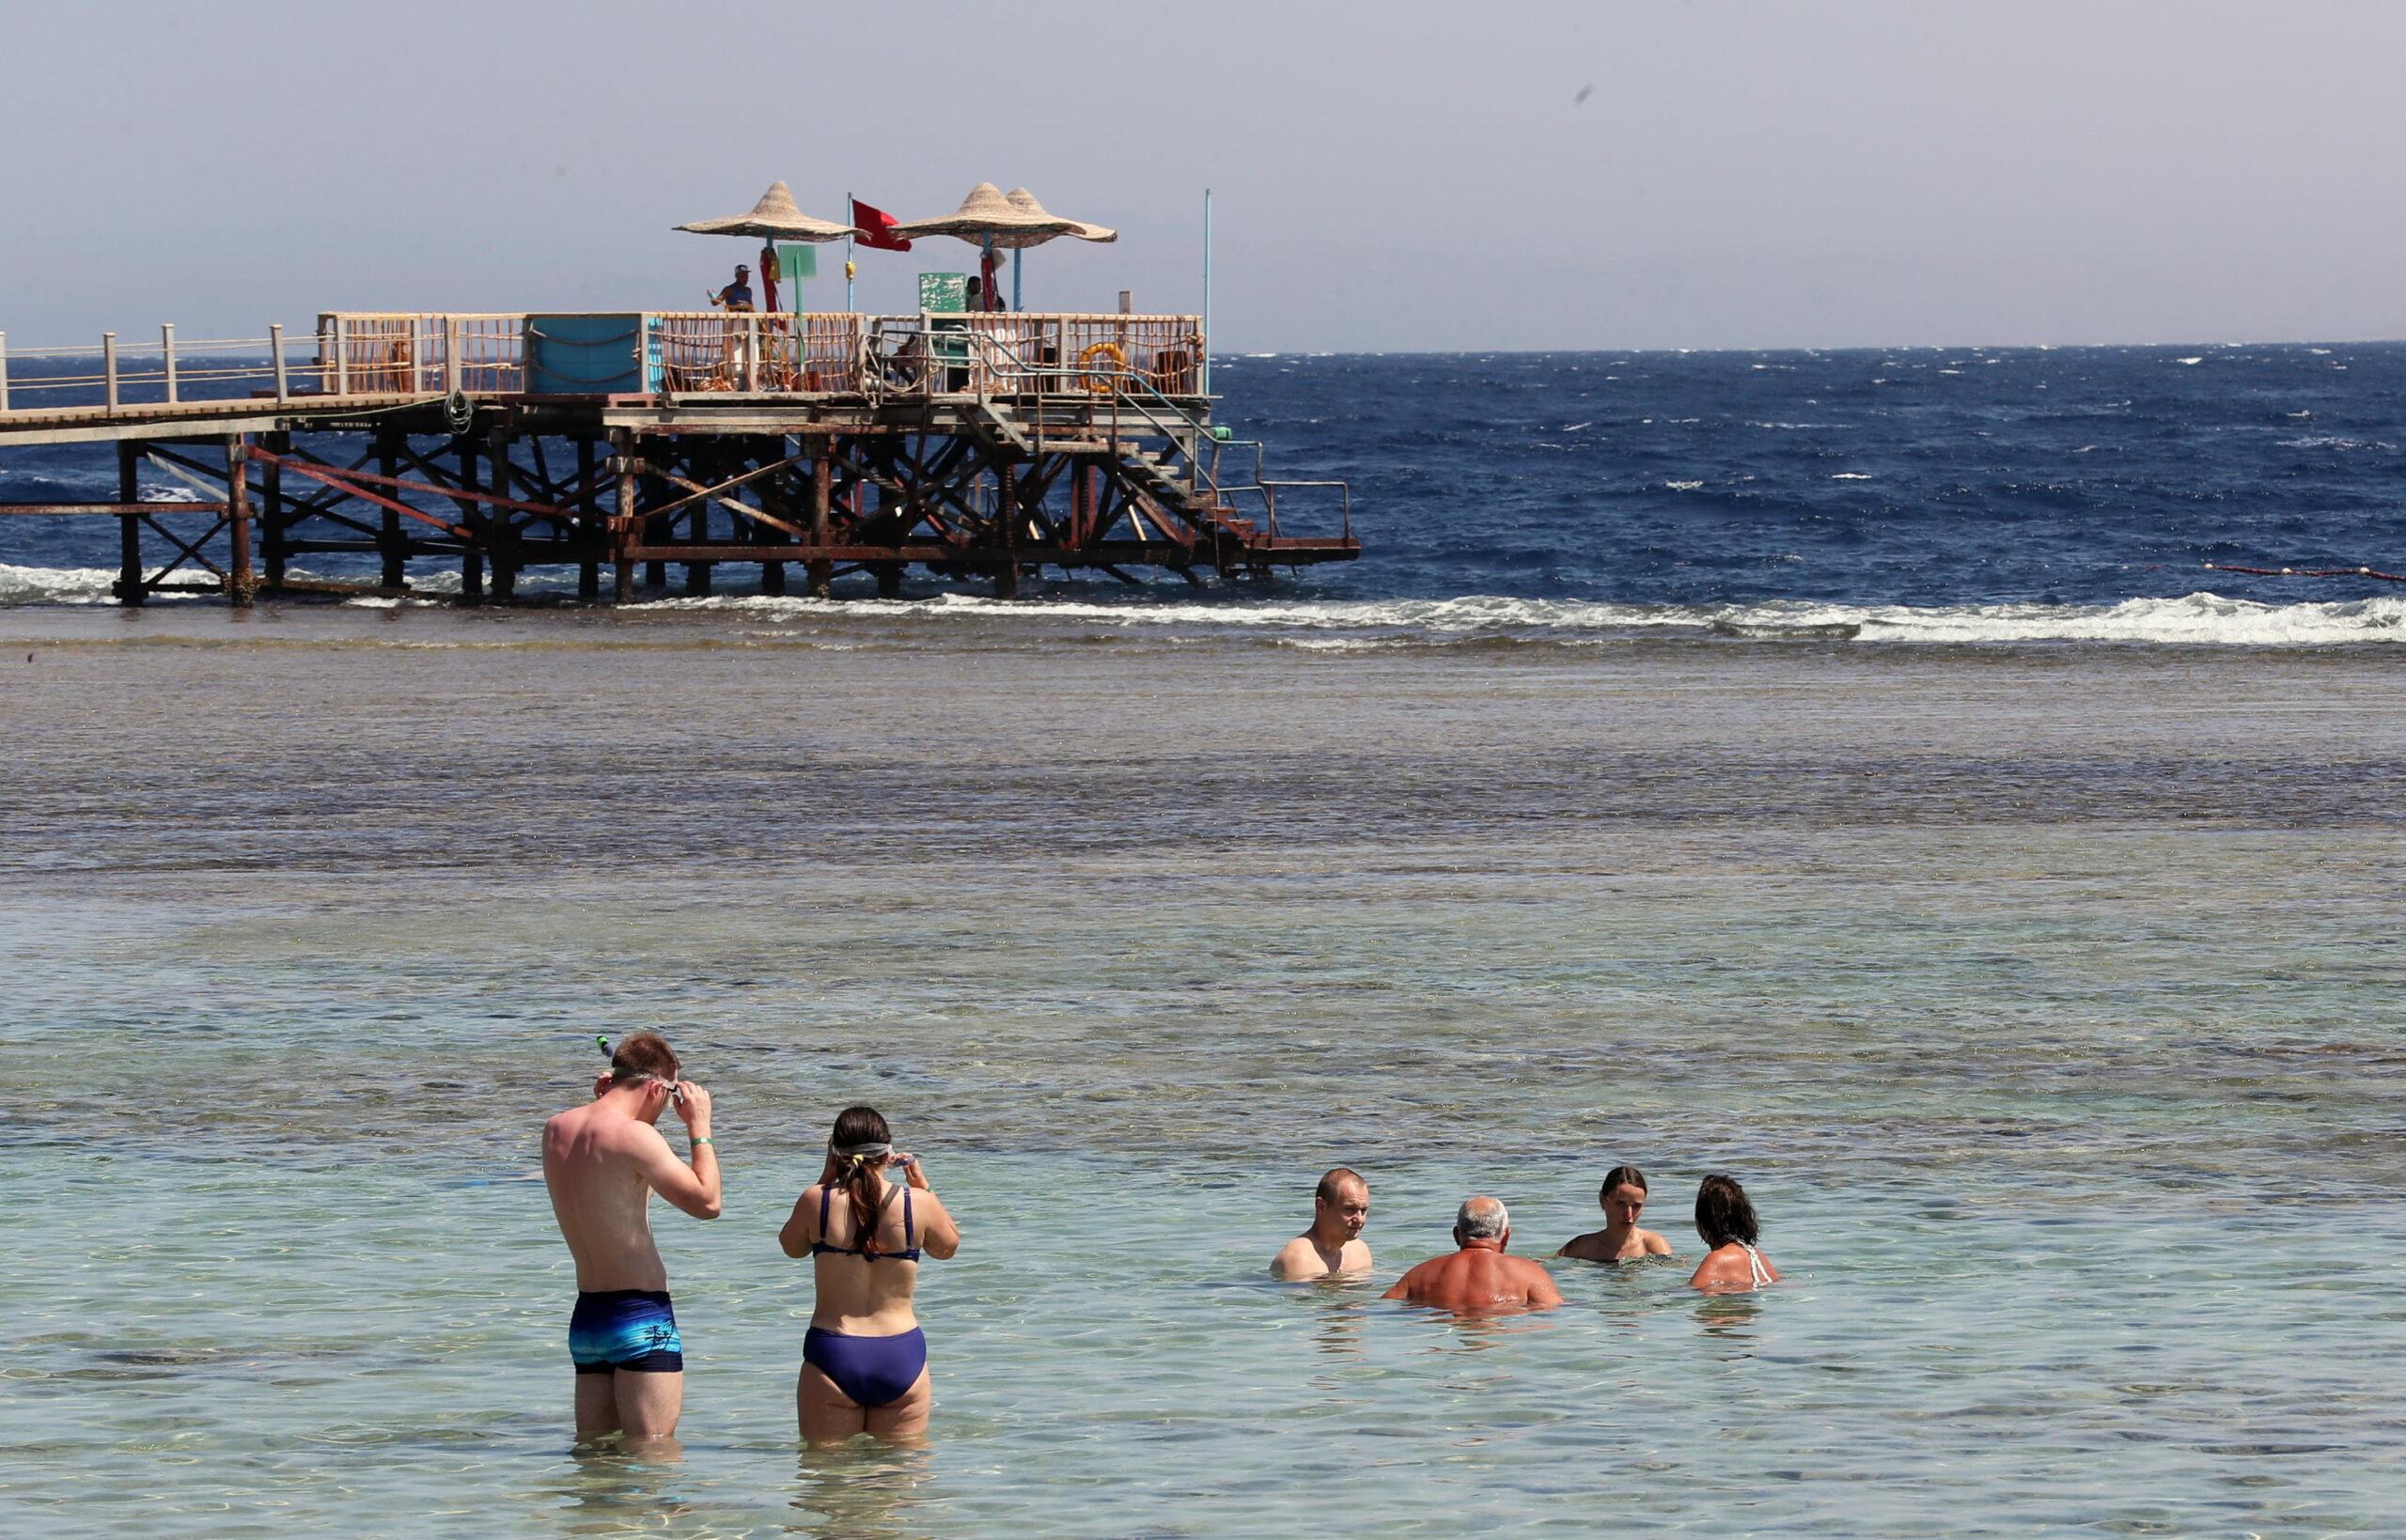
{"x": 856, "y": 1154}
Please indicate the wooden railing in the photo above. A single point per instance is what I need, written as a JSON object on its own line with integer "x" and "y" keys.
{"x": 484, "y": 352}
{"x": 1166, "y": 352}
{"x": 116, "y": 375}
{"x": 814, "y": 353}
{"x": 413, "y": 352}
{"x": 818, "y": 352}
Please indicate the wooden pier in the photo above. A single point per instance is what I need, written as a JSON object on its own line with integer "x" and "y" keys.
{"x": 978, "y": 448}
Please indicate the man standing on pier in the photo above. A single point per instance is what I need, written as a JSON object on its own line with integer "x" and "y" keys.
{"x": 736, "y": 296}
{"x": 602, "y": 1163}
{"x": 1479, "y": 1277}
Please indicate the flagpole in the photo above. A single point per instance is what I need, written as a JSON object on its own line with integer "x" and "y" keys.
{"x": 1207, "y": 291}
{"x": 851, "y": 214}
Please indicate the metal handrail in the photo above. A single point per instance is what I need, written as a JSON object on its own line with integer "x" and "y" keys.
{"x": 1197, "y": 474}
{"x": 1345, "y": 490}
{"x": 220, "y": 360}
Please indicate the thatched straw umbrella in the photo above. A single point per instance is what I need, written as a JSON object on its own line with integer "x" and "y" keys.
{"x": 991, "y": 220}
{"x": 774, "y": 218}
{"x": 1025, "y": 201}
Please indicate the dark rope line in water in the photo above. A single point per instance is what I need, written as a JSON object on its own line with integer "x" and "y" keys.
{"x": 2308, "y": 571}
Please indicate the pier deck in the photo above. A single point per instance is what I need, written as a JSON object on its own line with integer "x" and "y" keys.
{"x": 974, "y": 447}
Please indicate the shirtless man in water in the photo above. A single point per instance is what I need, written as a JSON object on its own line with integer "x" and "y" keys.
{"x": 1334, "y": 1245}
{"x": 602, "y": 1163}
{"x": 1479, "y": 1277}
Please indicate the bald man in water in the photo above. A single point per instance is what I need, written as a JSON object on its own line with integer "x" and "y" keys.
{"x": 1333, "y": 1247}
{"x": 1478, "y": 1277}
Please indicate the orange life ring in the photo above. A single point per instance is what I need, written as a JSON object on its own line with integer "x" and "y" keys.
{"x": 1100, "y": 384}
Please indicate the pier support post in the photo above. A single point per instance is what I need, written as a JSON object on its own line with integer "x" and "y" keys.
{"x": 503, "y": 542}
{"x": 472, "y": 560}
{"x": 274, "y": 536}
{"x": 823, "y": 481}
{"x": 890, "y": 574}
{"x": 773, "y": 572}
{"x": 697, "y": 574}
{"x": 241, "y": 586}
{"x": 1006, "y": 508}
{"x": 655, "y": 573}
{"x": 589, "y": 571}
{"x": 623, "y": 527}
{"x": 392, "y": 547}
{"x": 129, "y": 529}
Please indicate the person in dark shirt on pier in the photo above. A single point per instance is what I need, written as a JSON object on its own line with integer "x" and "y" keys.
{"x": 737, "y": 295}
{"x": 1479, "y": 1277}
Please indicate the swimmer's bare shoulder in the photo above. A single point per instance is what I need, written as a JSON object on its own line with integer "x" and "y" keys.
{"x": 1300, "y": 1261}
{"x": 1727, "y": 1270}
{"x": 1297, "y": 1260}
{"x": 1590, "y": 1248}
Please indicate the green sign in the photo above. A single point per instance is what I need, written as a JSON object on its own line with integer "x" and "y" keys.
{"x": 944, "y": 292}
{"x": 798, "y": 261}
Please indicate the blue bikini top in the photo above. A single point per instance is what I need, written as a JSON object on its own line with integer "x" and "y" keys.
{"x": 910, "y": 1252}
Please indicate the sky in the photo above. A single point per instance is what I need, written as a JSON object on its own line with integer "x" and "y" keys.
{"x": 1404, "y": 177}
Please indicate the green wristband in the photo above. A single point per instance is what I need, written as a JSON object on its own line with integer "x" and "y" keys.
{"x": 705, "y": 1139}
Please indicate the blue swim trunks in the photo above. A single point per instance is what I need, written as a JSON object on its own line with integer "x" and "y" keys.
{"x": 625, "y": 1328}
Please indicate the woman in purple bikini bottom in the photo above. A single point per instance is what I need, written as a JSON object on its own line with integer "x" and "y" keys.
{"x": 865, "y": 1361}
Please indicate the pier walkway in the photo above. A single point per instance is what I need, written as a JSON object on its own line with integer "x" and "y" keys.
{"x": 976, "y": 446}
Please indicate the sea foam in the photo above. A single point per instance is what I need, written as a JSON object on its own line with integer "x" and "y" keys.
{"x": 2200, "y": 618}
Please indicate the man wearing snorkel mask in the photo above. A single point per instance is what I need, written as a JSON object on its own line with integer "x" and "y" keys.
{"x": 602, "y": 1163}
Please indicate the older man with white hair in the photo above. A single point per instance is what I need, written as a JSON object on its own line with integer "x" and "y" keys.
{"x": 1478, "y": 1277}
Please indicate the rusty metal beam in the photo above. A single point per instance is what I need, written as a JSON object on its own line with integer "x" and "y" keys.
{"x": 335, "y": 478}
{"x": 294, "y": 463}
{"x": 714, "y": 493}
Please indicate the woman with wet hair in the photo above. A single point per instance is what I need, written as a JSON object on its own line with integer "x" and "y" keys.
{"x": 1725, "y": 1219}
{"x": 865, "y": 1360}
{"x": 1622, "y": 1198}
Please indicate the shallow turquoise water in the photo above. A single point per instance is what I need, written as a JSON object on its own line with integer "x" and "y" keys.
{"x": 2041, "y": 998}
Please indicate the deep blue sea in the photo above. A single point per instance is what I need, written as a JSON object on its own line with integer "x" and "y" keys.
{"x": 1758, "y": 488}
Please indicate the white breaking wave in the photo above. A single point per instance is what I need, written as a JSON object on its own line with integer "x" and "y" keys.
{"x": 2329, "y": 442}
{"x": 2197, "y": 619}
{"x": 56, "y": 584}
{"x": 2194, "y": 620}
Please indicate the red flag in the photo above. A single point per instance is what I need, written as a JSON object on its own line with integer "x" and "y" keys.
{"x": 874, "y": 223}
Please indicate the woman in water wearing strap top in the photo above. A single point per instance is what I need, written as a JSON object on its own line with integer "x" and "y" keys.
{"x": 865, "y": 1361}
{"x": 1725, "y": 1219}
